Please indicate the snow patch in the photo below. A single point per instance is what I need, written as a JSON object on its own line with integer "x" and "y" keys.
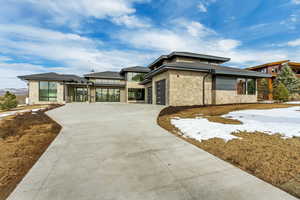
{"x": 293, "y": 102}
{"x": 285, "y": 121}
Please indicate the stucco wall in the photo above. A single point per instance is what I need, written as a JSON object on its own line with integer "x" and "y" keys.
{"x": 186, "y": 88}
{"x": 231, "y": 97}
{"x": 34, "y": 93}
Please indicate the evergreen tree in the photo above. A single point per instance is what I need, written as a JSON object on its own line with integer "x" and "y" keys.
{"x": 9, "y": 101}
{"x": 281, "y": 93}
{"x": 289, "y": 79}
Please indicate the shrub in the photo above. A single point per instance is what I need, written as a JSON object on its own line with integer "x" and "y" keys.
{"x": 9, "y": 101}
{"x": 281, "y": 93}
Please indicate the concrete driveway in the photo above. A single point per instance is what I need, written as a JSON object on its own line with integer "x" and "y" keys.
{"x": 118, "y": 152}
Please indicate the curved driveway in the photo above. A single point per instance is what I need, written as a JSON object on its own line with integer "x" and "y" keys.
{"x": 118, "y": 152}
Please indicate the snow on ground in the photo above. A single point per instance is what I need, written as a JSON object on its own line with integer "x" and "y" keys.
{"x": 293, "y": 102}
{"x": 285, "y": 121}
{"x": 10, "y": 113}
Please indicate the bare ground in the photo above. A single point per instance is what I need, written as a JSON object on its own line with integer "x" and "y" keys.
{"x": 23, "y": 139}
{"x": 269, "y": 157}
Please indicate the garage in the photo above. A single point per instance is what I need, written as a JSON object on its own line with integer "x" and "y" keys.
{"x": 161, "y": 92}
{"x": 149, "y": 95}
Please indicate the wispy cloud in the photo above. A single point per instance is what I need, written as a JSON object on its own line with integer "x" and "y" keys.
{"x": 202, "y": 5}
{"x": 296, "y": 1}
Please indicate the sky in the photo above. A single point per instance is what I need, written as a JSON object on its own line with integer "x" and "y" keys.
{"x": 78, "y": 36}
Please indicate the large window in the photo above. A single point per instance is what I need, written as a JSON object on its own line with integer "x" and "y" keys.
{"x": 241, "y": 86}
{"x": 135, "y": 77}
{"x": 136, "y": 94}
{"x": 107, "y": 95}
{"x": 47, "y": 91}
{"x": 246, "y": 86}
{"x": 251, "y": 86}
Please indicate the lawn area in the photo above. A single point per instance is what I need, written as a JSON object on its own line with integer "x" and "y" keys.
{"x": 263, "y": 153}
{"x": 23, "y": 139}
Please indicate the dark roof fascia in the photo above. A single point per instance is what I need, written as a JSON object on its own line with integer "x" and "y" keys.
{"x": 164, "y": 68}
{"x": 190, "y": 55}
{"x": 144, "y": 82}
{"x": 209, "y": 69}
{"x": 243, "y": 74}
{"x": 104, "y": 77}
{"x": 135, "y": 69}
{"x": 109, "y": 85}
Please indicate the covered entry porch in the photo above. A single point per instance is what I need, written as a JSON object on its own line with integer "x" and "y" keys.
{"x": 93, "y": 93}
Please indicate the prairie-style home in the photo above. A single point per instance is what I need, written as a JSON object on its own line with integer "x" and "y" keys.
{"x": 273, "y": 69}
{"x": 177, "y": 79}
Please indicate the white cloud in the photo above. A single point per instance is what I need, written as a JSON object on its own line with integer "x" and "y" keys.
{"x": 202, "y": 7}
{"x": 71, "y": 12}
{"x": 131, "y": 21}
{"x": 296, "y": 1}
{"x": 75, "y": 54}
{"x": 195, "y": 37}
{"x": 294, "y": 43}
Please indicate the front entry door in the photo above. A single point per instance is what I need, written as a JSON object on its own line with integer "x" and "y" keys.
{"x": 107, "y": 95}
{"x": 149, "y": 95}
{"x": 81, "y": 94}
{"x": 161, "y": 92}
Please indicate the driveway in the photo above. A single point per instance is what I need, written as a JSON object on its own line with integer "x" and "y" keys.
{"x": 118, "y": 152}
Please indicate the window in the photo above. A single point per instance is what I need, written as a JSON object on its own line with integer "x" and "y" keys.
{"x": 241, "y": 86}
{"x": 47, "y": 91}
{"x": 136, "y": 94}
{"x": 107, "y": 95}
{"x": 246, "y": 86}
{"x": 135, "y": 77}
{"x": 251, "y": 86}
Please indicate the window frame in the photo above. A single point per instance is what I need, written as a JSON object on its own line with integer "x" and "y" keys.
{"x": 48, "y": 98}
{"x": 135, "y": 98}
{"x": 246, "y": 86}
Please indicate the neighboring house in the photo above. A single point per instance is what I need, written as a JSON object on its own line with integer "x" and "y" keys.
{"x": 273, "y": 69}
{"x": 177, "y": 79}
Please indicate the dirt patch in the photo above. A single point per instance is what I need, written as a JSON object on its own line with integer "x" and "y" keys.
{"x": 23, "y": 139}
{"x": 269, "y": 157}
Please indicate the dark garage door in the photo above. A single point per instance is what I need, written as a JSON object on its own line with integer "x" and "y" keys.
{"x": 161, "y": 92}
{"x": 149, "y": 95}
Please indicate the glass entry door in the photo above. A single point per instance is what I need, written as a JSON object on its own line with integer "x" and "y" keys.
{"x": 107, "y": 95}
{"x": 81, "y": 94}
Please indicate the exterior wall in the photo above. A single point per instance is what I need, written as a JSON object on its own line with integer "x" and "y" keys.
{"x": 123, "y": 95}
{"x": 34, "y": 93}
{"x": 159, "y": 77}
{"x": 146, "y": 91}
{"x": 186, "y": 88}
{"x": 231, "y": 97}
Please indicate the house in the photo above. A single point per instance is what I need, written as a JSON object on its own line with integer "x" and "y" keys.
{"x": 273, "y": 69}
{"x": 177, "y": 79}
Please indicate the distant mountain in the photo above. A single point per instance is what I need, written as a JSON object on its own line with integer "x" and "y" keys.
{"x": 16, "y": 91}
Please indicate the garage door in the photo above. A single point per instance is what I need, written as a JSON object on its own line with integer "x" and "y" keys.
{"x": 161, "y": 92}
{"x": 149, "y": 95}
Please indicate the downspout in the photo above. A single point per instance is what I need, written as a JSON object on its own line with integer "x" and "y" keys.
{"x": 210, "y": 71}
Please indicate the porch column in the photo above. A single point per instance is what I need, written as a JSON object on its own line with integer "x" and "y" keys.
{"x": 270, "y": 88}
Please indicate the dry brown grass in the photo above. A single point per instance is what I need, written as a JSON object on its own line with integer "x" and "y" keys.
{"x": 23, "y": 139}
{"x": 269, "y": 157}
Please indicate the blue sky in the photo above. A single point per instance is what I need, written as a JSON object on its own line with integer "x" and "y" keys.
{"x": 77, "y": 36}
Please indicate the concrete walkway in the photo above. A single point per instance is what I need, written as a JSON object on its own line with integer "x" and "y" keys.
{"x": 117, "y": 152}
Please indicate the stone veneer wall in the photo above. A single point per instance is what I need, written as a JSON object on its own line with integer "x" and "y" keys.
{"x": 34, "y": 93}
{"x": 186, "y": 88}
{"x": 231, "y": 97}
